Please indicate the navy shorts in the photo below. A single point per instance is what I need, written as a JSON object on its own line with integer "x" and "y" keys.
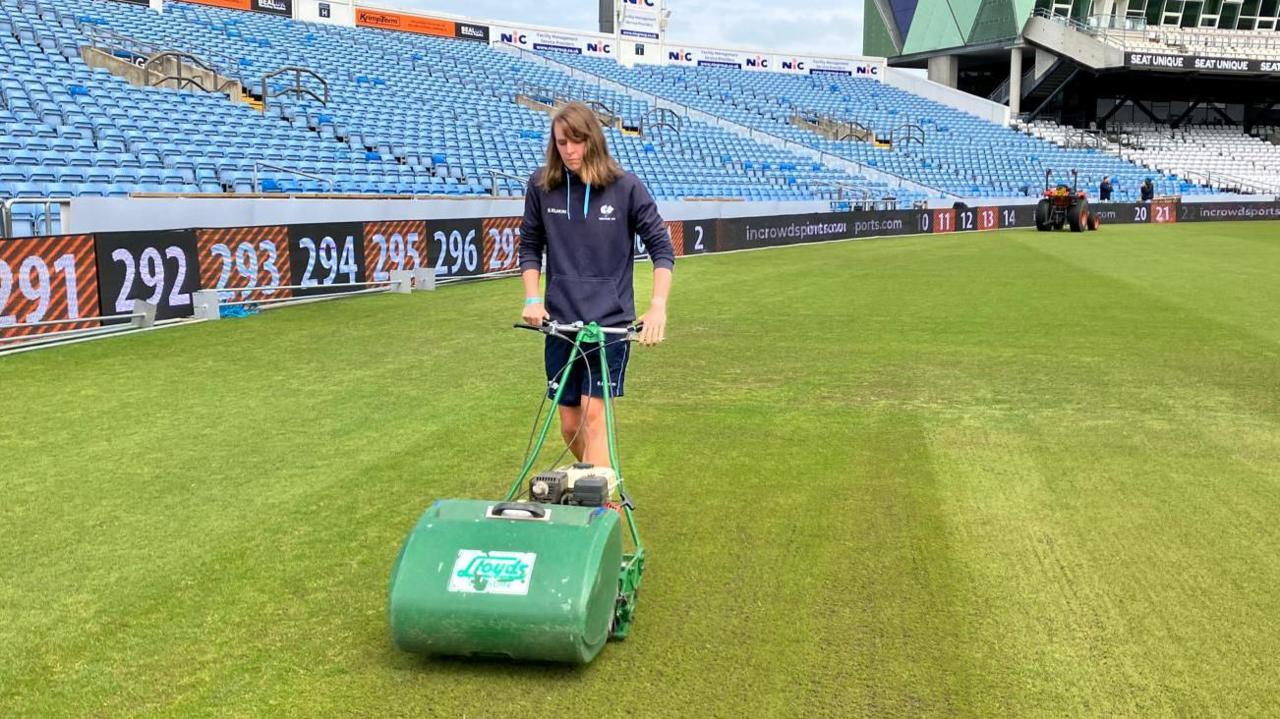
{"x": 585, "y": 377}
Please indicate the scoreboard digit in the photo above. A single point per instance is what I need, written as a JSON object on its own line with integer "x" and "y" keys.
{"x": 44, "y": 279}
{"x": 698, "y": 236}
{"x": 456, "y": 246}
{"x": 501, "y": 244}
{"x": 394, "y": 246}
{"x": 239, "y": 261}
{"x": 1164, "y": 212}
{"x": 327, "y": 254}
{"x": 944, "y": 221}
{"x": 161, "y": 268}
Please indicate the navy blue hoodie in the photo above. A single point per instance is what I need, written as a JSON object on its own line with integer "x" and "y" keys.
{"x": 587, "y": 234}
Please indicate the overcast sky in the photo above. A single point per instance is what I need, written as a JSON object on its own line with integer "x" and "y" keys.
{"x": 794, "y": 26}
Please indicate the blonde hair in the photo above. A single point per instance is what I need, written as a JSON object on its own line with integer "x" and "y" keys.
{"x": 579, "y": 124}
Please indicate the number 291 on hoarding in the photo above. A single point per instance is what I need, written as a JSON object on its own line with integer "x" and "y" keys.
{"x": 44, "y": 279}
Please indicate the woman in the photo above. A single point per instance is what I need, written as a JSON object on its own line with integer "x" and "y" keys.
{"x": 584, "y": 210}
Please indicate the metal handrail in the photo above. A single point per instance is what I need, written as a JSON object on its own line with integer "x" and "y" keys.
{"x": 538, "y": 93}
{"x": 662, "y": 137}
{"x": 1001, "y": 90}
{"x": 66, "y": 321}
{"x": 866, "y": 200}
{"x": 600, "y": 108}
{"x": 100, "y": 35}
{"x": 493, "y": 179}
{"x": 6, "y": 212}
{"x": 912, "y": 130}
{"x": 840, "y": 129}
{"x": 1240, "y": 184}
{"x": 851, "y": 128}
{"x": 101, "y": 38}
{"x": 841, "y": 187}
{"x": 229, "y": 67}
{"x": 663, "y": 115}
{"x": 184, "y": 81}
{"x": 1073, "y": 23}
{"x": 258, "y": 187}
{"x": 1117, "y": 31}
{"x": 297, "y": 88}
{"x": 811, "y": 116}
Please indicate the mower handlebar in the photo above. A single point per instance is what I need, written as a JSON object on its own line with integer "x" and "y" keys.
{"x": 551, "y": 327}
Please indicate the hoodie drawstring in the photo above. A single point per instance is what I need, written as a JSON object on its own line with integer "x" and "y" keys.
{"x": 568, "y": 194}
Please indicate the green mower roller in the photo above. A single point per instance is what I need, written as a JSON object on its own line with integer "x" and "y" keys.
{"x": 541, "y": 575}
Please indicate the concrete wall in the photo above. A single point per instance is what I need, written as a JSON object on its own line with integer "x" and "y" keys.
{"x": 972, "y": 104}
{"x": 112, "y": 214}
{"x": 1074, "y": 44}
{"x": 944, "y": 70}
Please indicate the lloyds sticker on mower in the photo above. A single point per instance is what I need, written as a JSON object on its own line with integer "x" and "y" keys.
{"x": 480, "y": 572}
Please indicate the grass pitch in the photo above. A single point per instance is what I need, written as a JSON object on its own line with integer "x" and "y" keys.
{"x": 1002, "y": 474}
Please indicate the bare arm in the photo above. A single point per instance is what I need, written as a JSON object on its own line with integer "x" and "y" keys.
{"x": 534, "y": 312}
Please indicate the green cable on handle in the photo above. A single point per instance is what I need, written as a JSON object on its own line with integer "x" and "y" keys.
{"x": 546, "y": 426}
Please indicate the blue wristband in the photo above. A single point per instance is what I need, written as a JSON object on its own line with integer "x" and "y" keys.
{"x": 532, "y": 301}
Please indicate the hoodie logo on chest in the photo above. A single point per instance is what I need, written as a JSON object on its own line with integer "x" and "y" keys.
{"x": 606, "y": 213}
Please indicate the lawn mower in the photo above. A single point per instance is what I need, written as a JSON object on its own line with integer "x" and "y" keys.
{"x": 541, "y": 574}
{"x": 1062, "y": 205}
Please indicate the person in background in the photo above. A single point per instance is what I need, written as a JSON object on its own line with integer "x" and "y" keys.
{"x": 1104, "y": 189}
{"x": 1148, "y": 190}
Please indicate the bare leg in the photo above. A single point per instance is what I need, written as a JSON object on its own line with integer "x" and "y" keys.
{"x": 591, "y": 444}
{"x": 596, "y": 432}
{"x": 570, "y": 422}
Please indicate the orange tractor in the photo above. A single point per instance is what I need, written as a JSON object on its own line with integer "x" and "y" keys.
{"x": 1063, "y": 205}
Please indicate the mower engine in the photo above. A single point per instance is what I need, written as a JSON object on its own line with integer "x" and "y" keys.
{"x": 581, "y": 484}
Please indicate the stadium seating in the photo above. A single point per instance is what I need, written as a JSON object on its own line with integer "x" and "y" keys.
{"x": 1210, "y": 42}
{"x": 934, "y": 144}
{"x": 1221, "y": 157}
{"x": 408, "y": 115}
